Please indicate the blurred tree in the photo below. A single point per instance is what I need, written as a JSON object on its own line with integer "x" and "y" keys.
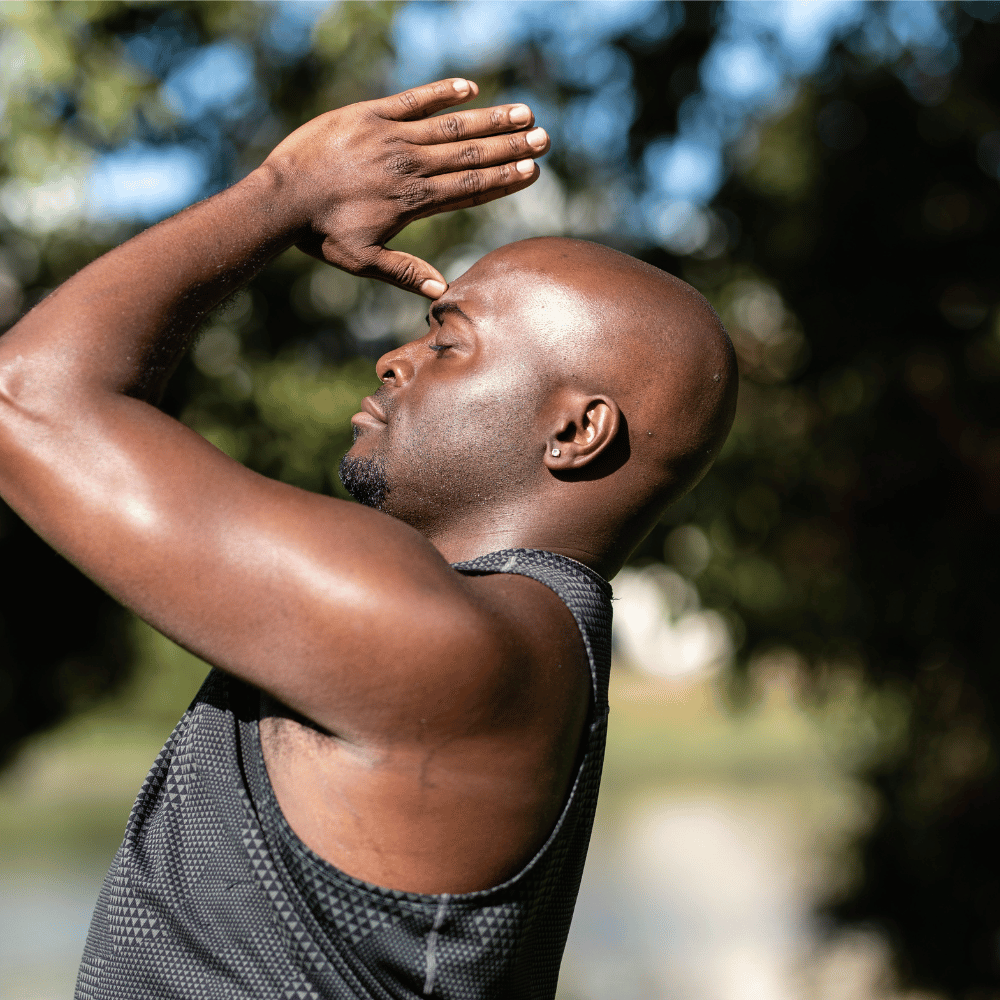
{"x": 853, "y": 516}
{"x": 852, "y": 254}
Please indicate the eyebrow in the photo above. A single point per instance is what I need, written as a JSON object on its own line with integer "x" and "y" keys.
{"x": 441, "y": 310}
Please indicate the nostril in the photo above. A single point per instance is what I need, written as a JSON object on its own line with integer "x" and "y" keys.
{"x": 394, "y": 367}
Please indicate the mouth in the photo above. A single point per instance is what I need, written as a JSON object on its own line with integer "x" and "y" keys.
{"x": 371, "y": 414}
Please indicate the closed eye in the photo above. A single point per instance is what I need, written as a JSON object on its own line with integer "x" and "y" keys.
{"x": 437, "y": 348}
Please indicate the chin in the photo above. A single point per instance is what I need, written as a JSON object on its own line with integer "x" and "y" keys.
{"x": 363, "y": 477}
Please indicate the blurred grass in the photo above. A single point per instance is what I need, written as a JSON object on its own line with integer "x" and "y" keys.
{"x": 67, "y": 796}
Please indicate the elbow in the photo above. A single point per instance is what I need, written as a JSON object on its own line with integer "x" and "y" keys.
{"x": 28, "y": 412}
{"x": 23, "y": 393}
{"x": 12, "y": 409}
{"x": 11, "y": 382}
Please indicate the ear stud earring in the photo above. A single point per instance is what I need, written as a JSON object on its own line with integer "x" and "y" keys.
{"x": 556, "y": 452}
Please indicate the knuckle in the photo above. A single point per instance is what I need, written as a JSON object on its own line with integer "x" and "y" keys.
{"x": 405, "y": 272}
{"x": 413, "y": 195}
{"x": 451, "y": 126}
{"x": 401, "y": 164}
{"x": 497, "y": 118}
{"x": 471, "y": 155}
{"x": 516, "y": 143}
{"x": 409, "y": 100}
{"x": 472, "y": 182}
{"x": 355, "y": 260}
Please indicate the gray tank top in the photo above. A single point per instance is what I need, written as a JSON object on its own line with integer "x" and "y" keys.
{"x": 213, "y": 896}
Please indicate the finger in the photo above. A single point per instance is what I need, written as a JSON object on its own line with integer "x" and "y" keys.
{"x": 488, "y": 152}
{"x": 419, "y": 102}
{"x": 406, "y": 271}
{"x": 476, "y": 187}
{"x": 471, "y": 124}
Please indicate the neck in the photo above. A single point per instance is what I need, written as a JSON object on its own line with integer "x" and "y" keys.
{"x": 461, "y": 542}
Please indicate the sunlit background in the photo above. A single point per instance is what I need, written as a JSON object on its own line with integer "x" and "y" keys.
{"x": 800, "y": 796}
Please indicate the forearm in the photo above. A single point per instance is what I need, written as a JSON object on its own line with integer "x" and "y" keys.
{"x": 122, "y": 323}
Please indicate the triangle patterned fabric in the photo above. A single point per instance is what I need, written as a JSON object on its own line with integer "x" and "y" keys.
{"x": 212, "y": 895}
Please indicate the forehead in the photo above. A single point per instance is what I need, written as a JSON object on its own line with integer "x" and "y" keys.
{"x": 499, "y": 295}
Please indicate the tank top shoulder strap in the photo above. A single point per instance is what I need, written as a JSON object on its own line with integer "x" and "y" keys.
{"x": 586, "y": 593}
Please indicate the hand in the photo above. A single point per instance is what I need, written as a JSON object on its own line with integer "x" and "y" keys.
{"x": 357, "y": 176}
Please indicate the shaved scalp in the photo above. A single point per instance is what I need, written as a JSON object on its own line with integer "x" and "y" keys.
{"x": 647, "y": 339}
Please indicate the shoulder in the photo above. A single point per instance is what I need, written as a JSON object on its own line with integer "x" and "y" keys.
{"x": 478, "y": 653}
{"x": 511, "y": 626}
{"x": 524, "y": 617}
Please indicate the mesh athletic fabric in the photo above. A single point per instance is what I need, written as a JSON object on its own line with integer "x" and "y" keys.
{"x": 213, "y": 896}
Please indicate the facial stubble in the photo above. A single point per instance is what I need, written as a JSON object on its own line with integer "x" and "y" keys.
{"x": 364, "y": 478}
{"x": 447, "y": 472}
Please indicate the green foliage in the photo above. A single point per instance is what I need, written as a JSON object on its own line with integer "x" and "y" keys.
{"x": 853, "y": 514}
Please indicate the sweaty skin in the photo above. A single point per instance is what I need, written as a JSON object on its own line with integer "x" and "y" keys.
{"x": 424, "y": 725}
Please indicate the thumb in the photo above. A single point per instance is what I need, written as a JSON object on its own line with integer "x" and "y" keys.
{"x": 406, "y": 271}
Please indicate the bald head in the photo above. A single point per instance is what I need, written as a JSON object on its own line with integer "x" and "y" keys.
{"x": 564, "y": 395}
{"x": 616, "y": 325}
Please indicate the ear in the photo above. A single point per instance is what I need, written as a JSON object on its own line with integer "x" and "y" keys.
{"x": 584, "y": 428}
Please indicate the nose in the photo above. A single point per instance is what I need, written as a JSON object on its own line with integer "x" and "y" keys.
{"x": 396, "y": 367}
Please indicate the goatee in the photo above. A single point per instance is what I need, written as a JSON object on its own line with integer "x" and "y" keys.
{"x": 364, "y": 479}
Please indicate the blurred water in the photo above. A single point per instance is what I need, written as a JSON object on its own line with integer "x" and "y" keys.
{"x": 44, "y": 916}
{"x": 697, "y": 893}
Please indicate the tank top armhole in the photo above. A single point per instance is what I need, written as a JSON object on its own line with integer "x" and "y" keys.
{"x": 588, "y": 597}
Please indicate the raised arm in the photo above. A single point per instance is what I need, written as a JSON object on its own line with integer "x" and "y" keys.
{"x": 254, "y": 576}
{"x": 340, "y": 187}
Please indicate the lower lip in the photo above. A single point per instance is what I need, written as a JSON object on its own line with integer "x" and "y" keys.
{"x": 365, "y": 419}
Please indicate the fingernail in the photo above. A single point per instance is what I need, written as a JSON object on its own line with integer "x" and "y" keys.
{"x": 536, "y": 137}
{"x": 433, "y": 289}
{"x": 524, "y": 166}
{"x": 520, "y": 114}
{"x": 461, "y": 86}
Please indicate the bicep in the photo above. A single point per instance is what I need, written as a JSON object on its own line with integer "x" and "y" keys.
{"x": 315, "y": 600}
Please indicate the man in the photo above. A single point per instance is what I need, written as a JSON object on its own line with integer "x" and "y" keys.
{"x": 387, "y": 786}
